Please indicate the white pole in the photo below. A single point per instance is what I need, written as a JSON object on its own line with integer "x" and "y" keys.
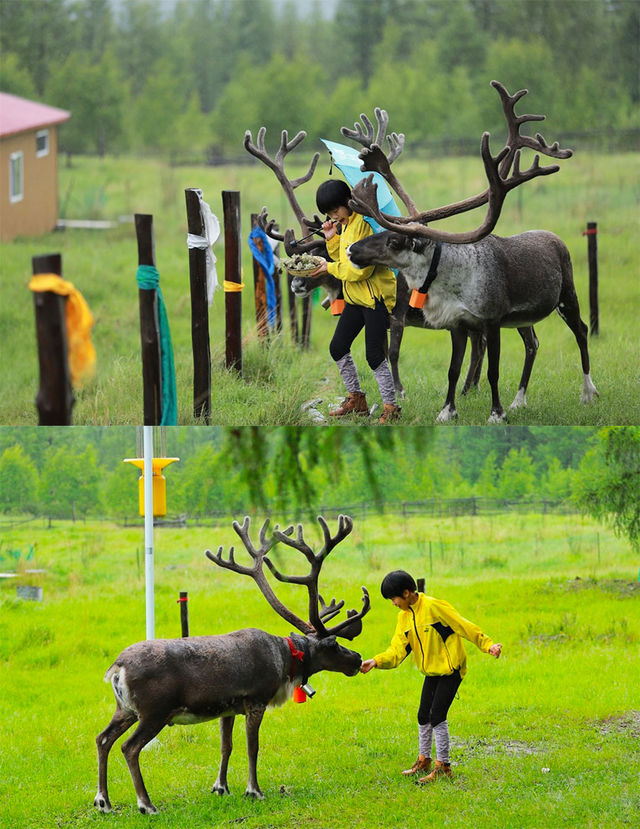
{"x": 148, "y": 529}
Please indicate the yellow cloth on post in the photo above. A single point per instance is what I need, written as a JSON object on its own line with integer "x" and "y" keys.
{"x": 232, "y": 287}
{"x": 79, "y": 320}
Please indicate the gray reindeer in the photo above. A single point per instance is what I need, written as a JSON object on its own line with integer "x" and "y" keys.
{"x": 185, "y": 681}
{"x": 483, "y": 282}
{"x": 309, "y": 227}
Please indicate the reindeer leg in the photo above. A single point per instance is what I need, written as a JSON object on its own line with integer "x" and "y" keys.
{"x": 478, "y": 347}
{"x": 226, "y": 747}
{"x": 120, "y": 721}
{"x": 255, "y": 713}
{"x": 493, "y": 373}
{"x": 395, "y": 341}
{"x": 530, "y": 350}
{"x": 144, "y": 733}
{"x": 569, "y": 310}
{"x": 458, "y": 347}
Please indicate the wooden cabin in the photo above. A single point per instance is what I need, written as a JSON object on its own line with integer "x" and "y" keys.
{"x": 28, "y": 166}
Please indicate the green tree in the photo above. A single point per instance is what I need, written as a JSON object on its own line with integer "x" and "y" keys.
{"x": 15, "y": 78}
{"x": 517, "y": 475}
{"x": 69, "y": 483}
{"x": 119, "y": 492}
{"x": 607, "y": 483}
{"x": 18, "y": 481}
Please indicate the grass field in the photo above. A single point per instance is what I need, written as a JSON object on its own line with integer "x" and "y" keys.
{"x": 546, "y": 736}
{"x": 278, "y": 380}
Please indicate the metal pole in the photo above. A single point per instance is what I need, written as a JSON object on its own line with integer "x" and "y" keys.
{"x": 147, "y": 432}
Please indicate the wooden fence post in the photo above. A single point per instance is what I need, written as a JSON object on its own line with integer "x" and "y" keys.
{"x": 592, "y": 249}
{"x": 149, "y": 329}
{"x": 306, "y": 321}
{"x": 184, "y": 613}
{"x": 260, "y": 290}
{"x": 200, "y": 341}
{"x": 232, "y": 273}
{"x": 54, "y": 399}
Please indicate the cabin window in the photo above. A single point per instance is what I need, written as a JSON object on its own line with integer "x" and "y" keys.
{"x": 16, "y": 177}
{"x": 42, "y": 143}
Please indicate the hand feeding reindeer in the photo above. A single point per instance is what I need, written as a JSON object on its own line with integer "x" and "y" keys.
{"x": 185, "y": 681}
{"x": 483, "y": 282}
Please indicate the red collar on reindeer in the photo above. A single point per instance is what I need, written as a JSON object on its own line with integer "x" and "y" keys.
{"x": 295, "y": 654}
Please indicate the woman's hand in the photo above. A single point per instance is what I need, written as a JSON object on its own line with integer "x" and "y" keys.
{"x": 495, "y": 650}
{"x": 321, "y": 269}
{"x": 329, "y": 229}
{"x": 367, "y": 665}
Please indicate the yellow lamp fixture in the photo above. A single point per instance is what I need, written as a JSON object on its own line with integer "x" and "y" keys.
{"x": 159, "y": 484}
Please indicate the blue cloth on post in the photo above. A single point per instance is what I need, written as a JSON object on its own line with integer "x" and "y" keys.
{"x": 264, "y": 258}
{"x": 148, "y": 279}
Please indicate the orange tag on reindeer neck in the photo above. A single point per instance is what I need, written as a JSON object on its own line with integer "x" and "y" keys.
{"x": 417, "y": 299}
{"x": 337, "y": 307}
{"x": 299, "y": 695}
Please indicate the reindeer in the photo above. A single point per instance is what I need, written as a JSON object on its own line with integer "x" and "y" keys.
{"x": 303, "y": 287}
{"x": 184, "y": 681}
{"x": 484, "y": 282}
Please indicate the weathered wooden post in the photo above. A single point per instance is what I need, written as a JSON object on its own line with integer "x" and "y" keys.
{"x": 420, "y": 583}
{"x": 306, "y": 321}
{"x": 232, "y": 277}
{"x": 184, "y": 613}
{"x": 592, "y": 249}
{"x": 149, "y": 329}
{"x": 199, "y": 312}
{"x": 260, "y": 289}
{"x": 55, "y": 398}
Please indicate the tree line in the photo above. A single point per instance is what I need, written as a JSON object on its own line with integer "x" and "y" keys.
{"x": 62, "y": 472}
{"x": 186, "y": 78}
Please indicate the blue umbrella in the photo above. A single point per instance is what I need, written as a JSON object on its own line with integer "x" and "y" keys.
{"x": 347, "y": 161}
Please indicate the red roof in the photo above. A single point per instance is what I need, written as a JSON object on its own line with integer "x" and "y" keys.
{"x": 20, "y": 115}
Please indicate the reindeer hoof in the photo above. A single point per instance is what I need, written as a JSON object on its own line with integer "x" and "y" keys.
{"x": 520, "y": 400}
{"x": 220, "y": 790}
{"x": 497, "y": 417}
{"x": 448, "y": 413}
{"x": 589, "y": 391}
{"x": 101, "y": 802}
{"x": 147, "y": 808}
{"x": 254, "y": 794}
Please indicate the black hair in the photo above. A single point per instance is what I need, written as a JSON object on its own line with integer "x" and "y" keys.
{"x": 331, "y": 194}
{"x": 396, "y": 582}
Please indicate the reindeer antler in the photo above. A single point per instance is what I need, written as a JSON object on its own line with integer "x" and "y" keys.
{"x": 319, "y": 611}
{"x": 256, "y": 571}
{"x": 502, "y": 172}
{"x": 288, "y": 185}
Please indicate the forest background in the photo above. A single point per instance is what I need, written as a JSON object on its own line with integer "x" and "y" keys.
{"x": 78, "y": 472}
{"x": 184, "y": 79}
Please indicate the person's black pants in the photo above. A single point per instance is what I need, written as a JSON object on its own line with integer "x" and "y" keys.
{"x": 353, "y": 319}
{"x": 438, "y": 693}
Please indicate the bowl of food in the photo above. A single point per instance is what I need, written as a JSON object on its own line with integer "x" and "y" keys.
{"x": 301, "y": 264}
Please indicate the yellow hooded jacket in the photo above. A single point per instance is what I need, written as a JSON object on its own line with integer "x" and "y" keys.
{"x": 361, "y": 286}
{"x": 432, "y": 630}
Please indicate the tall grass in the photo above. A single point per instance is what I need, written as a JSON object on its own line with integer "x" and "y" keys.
{"x": 545, "y": 736}
{"x": 278, "y": 380}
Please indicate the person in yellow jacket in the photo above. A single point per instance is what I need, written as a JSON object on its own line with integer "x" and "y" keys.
{"x": 369, "y": 295}
{"x": 431, "y": 630}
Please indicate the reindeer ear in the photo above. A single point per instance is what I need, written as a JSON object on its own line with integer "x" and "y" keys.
{"x": 329, "y": 641}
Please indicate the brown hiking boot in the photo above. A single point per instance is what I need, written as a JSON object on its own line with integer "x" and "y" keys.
{"x": 439, "y": 770}
{"x": 390, "y": 412}
{"x": 421, "y": 764}
{"x": 354, "y": 403}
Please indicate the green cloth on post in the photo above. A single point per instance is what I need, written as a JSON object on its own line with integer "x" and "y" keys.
{"x": 148, "y": 279}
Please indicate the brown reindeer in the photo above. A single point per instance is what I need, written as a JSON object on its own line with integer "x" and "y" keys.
{"x": 184, "y": 681}
{"x": 484, "y": 282}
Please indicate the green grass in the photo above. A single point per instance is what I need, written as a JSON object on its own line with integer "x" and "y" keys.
{"x": 545, "y": 736}
{"x": 278, "y": 380}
